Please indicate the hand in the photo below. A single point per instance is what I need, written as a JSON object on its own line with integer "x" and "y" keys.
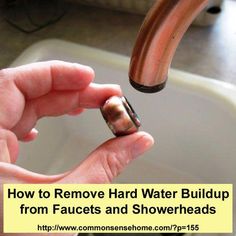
{"x": 54, "y": 88}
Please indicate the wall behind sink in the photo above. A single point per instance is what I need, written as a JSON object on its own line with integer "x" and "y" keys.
{"x": 142, "y": 7}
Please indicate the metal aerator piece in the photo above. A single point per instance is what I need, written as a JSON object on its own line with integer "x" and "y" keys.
{"x": 120, "y": 116}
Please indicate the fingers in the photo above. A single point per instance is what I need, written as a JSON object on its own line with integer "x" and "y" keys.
{"x": 21, "y": 84}
{"x": 8, "y": 147}
{"x": 95, "y": 95}
{"x": 108, "y": 160}
{"x": 58, "y": 103}
{"x": 37, "y": 79}
{"x": 48, "y": 89}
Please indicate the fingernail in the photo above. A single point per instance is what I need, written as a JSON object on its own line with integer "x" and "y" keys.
{"x": 34, "y": 131}
{"x": 31, "y": 135}
{"x": 90, "y": 70}
{"x": 142, "y": 144}
{"x": 113, "y": 86}
{"x": 117, "y": 88}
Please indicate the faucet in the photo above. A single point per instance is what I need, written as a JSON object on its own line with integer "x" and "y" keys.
{"x": 159, "y": 36}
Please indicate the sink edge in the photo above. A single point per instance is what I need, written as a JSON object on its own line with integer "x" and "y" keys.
{"x": 223, "y": 91}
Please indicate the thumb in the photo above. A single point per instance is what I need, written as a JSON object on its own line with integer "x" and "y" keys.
{"x": 109, "y": 160}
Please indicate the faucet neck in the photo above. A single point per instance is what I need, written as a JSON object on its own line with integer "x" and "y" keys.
{"x": 159, "y": 36}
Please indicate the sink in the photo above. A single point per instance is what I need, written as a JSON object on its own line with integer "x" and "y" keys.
{"x": 193, "y": 121}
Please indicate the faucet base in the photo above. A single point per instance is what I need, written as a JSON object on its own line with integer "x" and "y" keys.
{"x": 147, "y": 89}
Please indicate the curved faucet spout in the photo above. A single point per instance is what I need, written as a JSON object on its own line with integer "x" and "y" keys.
{"x": 159, "y": 36}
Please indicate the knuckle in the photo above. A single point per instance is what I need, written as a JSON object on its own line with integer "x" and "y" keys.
{"x": 112, "y": 164}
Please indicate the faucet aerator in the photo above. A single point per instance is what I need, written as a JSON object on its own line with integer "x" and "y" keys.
{"x": 147, "y": 89}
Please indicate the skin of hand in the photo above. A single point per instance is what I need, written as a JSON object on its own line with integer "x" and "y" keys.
{"x": 54, "y": 88}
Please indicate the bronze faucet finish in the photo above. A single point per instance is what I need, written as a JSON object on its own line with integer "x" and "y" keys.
{"x": 159, "y": 36}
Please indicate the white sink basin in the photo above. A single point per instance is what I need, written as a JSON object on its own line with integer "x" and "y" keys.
{"x": 193, "y": 121}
